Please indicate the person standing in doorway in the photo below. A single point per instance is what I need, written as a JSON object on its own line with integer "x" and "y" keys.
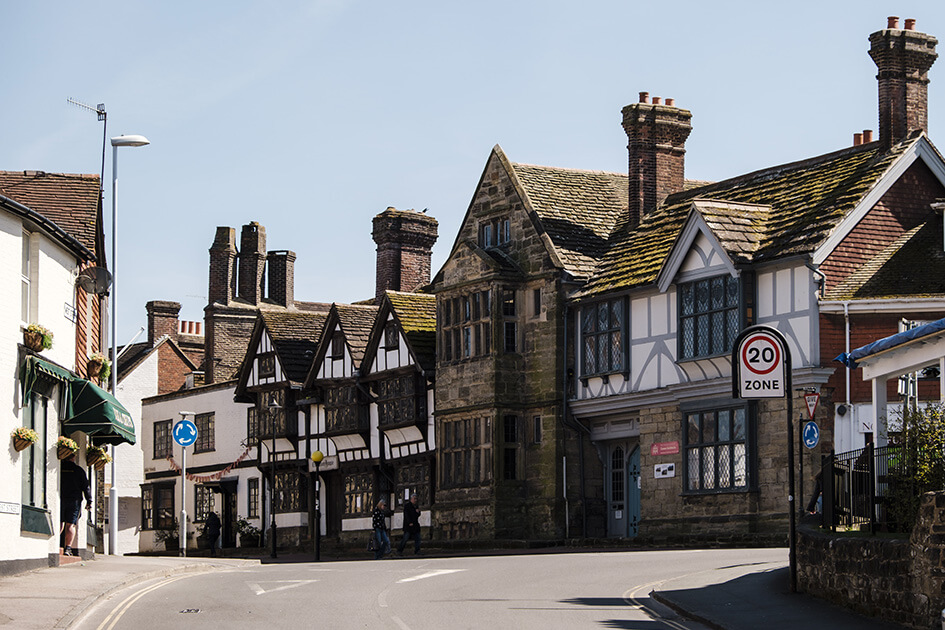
{"x": 379, "y": 522}
{"x": 213, "y": 532}
{"x": 73, "y": 484}
{"x": 411, "y": 526}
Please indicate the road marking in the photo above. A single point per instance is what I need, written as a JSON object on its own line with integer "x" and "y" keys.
{"x": 123, "y": 607}
{"x": 430, "y": 574}
{"x": 286, "y": 585}
{"x": 400, "y": 624}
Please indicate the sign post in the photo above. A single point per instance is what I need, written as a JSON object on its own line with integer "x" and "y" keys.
{"x": 761, "y": 368}
{"x": 185, "y": 434}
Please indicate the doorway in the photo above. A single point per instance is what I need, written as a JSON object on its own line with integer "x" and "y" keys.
{"x": 622, "y": 488}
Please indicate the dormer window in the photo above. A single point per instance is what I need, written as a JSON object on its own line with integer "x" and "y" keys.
{"x": 391, "y": 336}
{"x": 337, "y": 346}
{"x": 494, "y": 232}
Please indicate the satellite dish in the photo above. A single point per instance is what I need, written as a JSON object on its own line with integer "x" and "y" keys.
{"x": 94, "y": 280}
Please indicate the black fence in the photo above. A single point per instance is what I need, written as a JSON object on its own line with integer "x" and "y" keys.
{"x": 856, "y": 487}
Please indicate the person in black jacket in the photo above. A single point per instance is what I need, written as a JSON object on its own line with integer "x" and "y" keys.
{"x": 411, "y": 526}
{"x": 379, "y": 522}
{"x": 213, "y": 527}
{"x": 73, "y": 484}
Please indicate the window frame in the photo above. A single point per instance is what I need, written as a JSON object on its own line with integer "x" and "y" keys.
{"x": 162, "y": 438}
{"x": 252, "y": 497}
{"x": 206, "y": 439}
{"x": 150, "y": 517}
{"x": 615, "y": 334}
{"x": 465, "y": 326}
{"x": 203, "y": 502}
{"x": 705, "y": 344}
{"x": 465, "y": 452}
{"x": 511, "y": 447}
{"x": 718, "y": 443}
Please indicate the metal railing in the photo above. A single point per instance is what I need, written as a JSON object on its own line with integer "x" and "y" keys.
{"x": 855, "y": 487}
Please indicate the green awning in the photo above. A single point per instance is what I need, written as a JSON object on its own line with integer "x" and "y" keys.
{"x": 84, "y": 406}
{"x": 99, "y": 414}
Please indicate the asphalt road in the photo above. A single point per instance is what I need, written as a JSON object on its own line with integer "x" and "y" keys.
{"x": 573, "y": 590}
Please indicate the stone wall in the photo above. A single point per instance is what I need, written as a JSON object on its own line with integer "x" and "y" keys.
{"x": 899, "y": 580}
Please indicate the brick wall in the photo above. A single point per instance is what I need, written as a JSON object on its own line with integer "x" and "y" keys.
{"x": 223, "y": 266}
{"x": 404, "y": 248}
{"x": 162, "y": 320}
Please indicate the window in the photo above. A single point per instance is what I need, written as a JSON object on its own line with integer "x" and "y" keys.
{"x": 411, "y": 479}
{"x": 709, "y": 317}
{"x": 291, "y": 495}
{"x": 162, "y": 439}
{"x": 465, "y": 452}
{"x": 716, "y": 446}
{"x": 342, "y": 409}
{"x": 273, "y": 419}
{"x": 465, "y": 326}
{"x": 602, "y": 327}
{"x": 509, "y": 327}
{"x": 494, "y": 232}
{"x": 397, "y": 400}
{"x": 157, "y": 506}
{"x": 26, "y": 280}
{"x": 252, "y": 497}
{"x": 391, "y": 336}
{"x": 337, "y": 345}
{"x": 510, "y": 449}
{"x": 617, "y": 478}
{"x": 536, "y": 430}
{"x": 203, "y": 503}
{"x": 35, "y": 416}
{"x": 358, "y": 493}
{"x": 536, "y": 302}
{"x": 267, "y": 365}
{"x": 204, "y": 443}
{"x": 252, "y": 427}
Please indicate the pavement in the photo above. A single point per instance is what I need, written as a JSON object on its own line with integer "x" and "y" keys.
{"x": 734, "y": 598}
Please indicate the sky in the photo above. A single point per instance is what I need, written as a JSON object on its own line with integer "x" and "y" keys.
{"x": 312, "y": 116}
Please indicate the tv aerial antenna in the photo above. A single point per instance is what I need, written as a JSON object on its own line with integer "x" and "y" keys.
{"x": 103, "y": 117}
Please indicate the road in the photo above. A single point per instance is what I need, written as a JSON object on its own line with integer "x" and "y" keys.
{"x": 559, "y": 590}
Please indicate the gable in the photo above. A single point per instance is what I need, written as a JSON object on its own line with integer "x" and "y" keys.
{"x": 696, "y": 253}
{"x": 265, "y": 366}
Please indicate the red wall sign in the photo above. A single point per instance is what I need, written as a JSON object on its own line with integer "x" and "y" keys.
{"x": 664, "y": 448}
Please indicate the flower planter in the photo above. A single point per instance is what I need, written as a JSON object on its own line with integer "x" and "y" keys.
{"x": 63, "y": 452}
{"x": 249, "y": 540}
{"x": 171, "y": 544}
{"x": 93, "y": 369}
{"x": 33, "y": 340}
{"x": 21, "y": 444}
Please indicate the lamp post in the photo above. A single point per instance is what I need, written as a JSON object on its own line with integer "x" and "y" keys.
{"x": 273, "y": 407}
{"x": 119, "y": 141}
{"x": 317, "y": 458}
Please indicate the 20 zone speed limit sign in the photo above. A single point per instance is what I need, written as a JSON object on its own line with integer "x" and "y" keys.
{"x": 759, "y": 364}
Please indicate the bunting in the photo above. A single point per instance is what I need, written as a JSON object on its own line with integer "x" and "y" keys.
{"x": 211, "y": 477}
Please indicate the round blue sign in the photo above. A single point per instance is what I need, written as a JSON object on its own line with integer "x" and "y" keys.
{"x": 811, "y": 434}
{"x": 185, "y": 432}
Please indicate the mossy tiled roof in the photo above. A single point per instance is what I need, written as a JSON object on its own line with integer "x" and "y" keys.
{"x": 794, "y": 209}
{"x": 69, "y": 201}
{"x": 295, "y": 336}
{"x": 579, "y": 210}
{"x": 356, "y": 323}
{"x": 416, "y": 314}
{"x": 913, "y": 265}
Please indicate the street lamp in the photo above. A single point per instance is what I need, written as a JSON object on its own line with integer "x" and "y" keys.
{"x": 273, "y": 407}
{"x": 119, "y": 141}
{"x": 317, "y": 458}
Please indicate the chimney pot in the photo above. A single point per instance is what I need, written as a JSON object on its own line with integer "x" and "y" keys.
{"x": 867, "y": 136}
{"x": 892, "y": 21}
{"x": 644, "y": 97}
{"x": 671, "y": 102}
{"x": 857, "y": 139}
{"x": 910, "y": 24}
{"x": 656, "y": 100}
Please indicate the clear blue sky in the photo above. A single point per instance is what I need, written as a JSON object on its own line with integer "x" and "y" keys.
{"x": 313, "y": 116}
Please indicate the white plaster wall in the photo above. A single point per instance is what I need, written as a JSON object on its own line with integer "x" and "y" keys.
{"x": 229, "y": 431}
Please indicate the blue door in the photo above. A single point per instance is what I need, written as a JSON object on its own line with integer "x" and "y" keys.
{"x": 622, "y": 486}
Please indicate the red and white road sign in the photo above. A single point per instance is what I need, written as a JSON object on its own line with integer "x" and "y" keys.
{"x": 761, "y": 372}
{"x": 811, "y": 400}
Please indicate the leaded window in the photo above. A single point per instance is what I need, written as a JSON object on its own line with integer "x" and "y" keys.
{"x": 397, "y": 400}
{"x": 203, "y": 503}
{"x": 716, "y": 449}
{"x": 162, "y": 439}
{"x": 359, "y": 488}
{"x": 465, "y": 326}
{"x": 252, "y": 427}
{"x": 413, "y": 478}
{"x": 252, "y": 497}
{"x": 157, "y": 506}
{"x": 465, "y": 452}
{"x": 341, "y": 408}
{"x": 205, "y": 433}
{"x": 602, "y": 335}
{"x": 290, "y": 495}
{"x": 709, "y": 316}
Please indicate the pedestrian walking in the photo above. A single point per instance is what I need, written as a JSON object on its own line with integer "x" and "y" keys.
{"x": 411, "y": 526}
{"x": 213, "y": 532}
{"x": 74, "y": 484}
{"x": 379, "y": 522}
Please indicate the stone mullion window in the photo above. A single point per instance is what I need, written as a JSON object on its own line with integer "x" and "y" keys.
{"x": 465, "y": 454}
{"x": 510, "y": 341}
{"x": 464, "y": 324}
{"x": 716, "y": 450}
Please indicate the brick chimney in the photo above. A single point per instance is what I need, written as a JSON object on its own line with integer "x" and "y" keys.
{"x": 282, "y": 278}
{"x": 252, "y": 263}
{"x": 405, "y": 241}
{"x": 903, "y": 57}
{"x": 162, "y": 320}
{"x": 656, "y": 137}
{"x": 223, "y": 266}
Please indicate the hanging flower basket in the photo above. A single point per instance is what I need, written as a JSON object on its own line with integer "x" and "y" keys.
{"x": 97, "y": 456}
{"x": 98, "y": 367}
{"x": 65, "y": 447}
{"x": 23, "y": 438}
{"x": 37, "y": 338}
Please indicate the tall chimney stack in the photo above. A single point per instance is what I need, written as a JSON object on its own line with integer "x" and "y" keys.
{"x": 252, "y": 263}
{"x": 903, "y": 57}
{"x": 405, "y": 241}
{"x": 282, "y": 278}
{"x": 656, "y": 137}
{"x": 223, "y": 266}
{"x": 162, "y": 320}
